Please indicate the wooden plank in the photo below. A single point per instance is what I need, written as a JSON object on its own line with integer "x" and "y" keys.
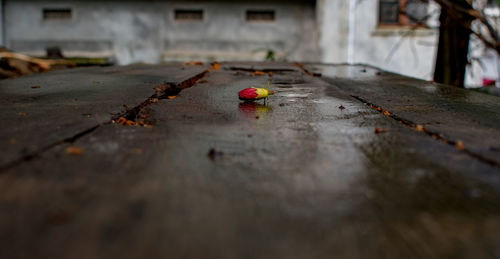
{"x": 450, "y": 113}
{"x": 214, "y": 177}
{"x": 41, "y": 110}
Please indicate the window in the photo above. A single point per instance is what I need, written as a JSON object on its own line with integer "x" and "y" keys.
{"x": 402, "y": 12}
{"x": 260, "y": 15}
{"x": 57, "y": 13}
{"x": 188, "y": 15}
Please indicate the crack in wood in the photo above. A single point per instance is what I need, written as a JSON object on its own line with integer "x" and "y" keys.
{"x": 139, "y": 114}
{"x": 309, "y": 73}
{"x": 458, "y": 144}
{"x": 38, "y": 152}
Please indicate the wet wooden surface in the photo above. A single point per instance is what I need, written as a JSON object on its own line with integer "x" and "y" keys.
{"x": 207, "y": 176}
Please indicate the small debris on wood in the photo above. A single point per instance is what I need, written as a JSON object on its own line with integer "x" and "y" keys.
{"x": 15, "y": 64}
{"x": 21, "y": 114}
{"x": 420, "y": 128}
{"x": 124, "y": 122}
{"x": 260, "y": 73}
{"x": 215, "y": 66}
{"x": 214, "y": 154}
{"x": 386, "y": 113}
{"x": 459, "y": 145}
{"x": 281, "y": 104}
{"x": 270, "y": 74}
{"x": 72, "y": 150}
{"x": 35, "y": 86}
{"x": 379, "y": 130}
{"x": 341, "y": 107}
{"x": 170, "y": 97}
{"x": 257, "y": 117}
{"x": 193, "y": 63}
{"x": 249, "y": 135}
{"x": 137, "y": 151}
{"x": 12, "y": 141}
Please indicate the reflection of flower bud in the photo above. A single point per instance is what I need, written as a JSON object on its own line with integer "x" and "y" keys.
{"x": 252, "y": 94}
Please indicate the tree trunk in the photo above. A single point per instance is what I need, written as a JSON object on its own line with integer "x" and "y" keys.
{"x": 452, "y": 50}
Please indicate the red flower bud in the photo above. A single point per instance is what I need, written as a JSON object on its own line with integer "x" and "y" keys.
{"x": 248, "y": 94}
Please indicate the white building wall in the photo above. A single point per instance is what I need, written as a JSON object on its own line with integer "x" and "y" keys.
{"x": 145, "y": 31}
{"x": 333, "y": 22}
{"x": 402, "y": 50}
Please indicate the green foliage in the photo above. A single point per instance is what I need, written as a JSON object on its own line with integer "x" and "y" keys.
{"x": 270, "y": 54}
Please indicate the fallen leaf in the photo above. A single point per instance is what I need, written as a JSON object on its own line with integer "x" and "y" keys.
{"x": 72, "y": 150}
{"x": 386, "y": 113}
{"x": 193, "y": 63}
{"x": 459, "y": 145}
{"x": 251, "y": 74}
{"x": 124, "y": 122}
{"x": 420, "y": 128}
{"x": 154, "y": 100}
{"x": 260, "y": 73}
{"x": 215, "y": 66}
{"x": 171, "y": 97}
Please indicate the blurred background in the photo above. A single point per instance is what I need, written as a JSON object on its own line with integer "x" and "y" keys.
{"x": 396, "y": 35}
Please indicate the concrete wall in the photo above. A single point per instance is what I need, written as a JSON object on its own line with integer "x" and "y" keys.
{"x": 333, "y": 21}
{"x": 145, "y": 31}
{"x": 331, "y": 31}
{"x": 402, "y": 50}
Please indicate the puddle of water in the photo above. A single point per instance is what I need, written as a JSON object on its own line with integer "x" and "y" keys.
{"x": 296, "y": 95}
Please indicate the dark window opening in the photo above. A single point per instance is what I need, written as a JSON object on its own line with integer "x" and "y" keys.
{"x": 260, "y": 16}
{"x": 402, "y": 12}
{"x": 188, "y": 15}
{"x": 389, "y": 12}
{"x": 57, "y": 13}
